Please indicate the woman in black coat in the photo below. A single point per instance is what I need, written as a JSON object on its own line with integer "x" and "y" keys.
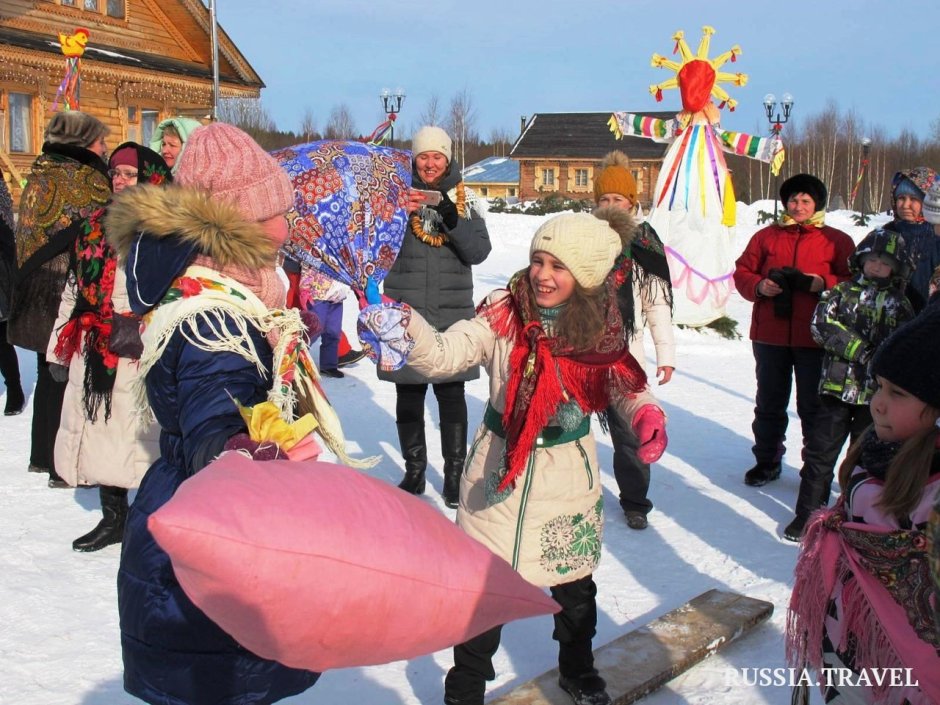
{"x": 433, "y": 274}
{"x": 9, "y": 365}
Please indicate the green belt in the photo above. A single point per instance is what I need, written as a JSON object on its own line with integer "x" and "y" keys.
{"x": 550, "y": 435}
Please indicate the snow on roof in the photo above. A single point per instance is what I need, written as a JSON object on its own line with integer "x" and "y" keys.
{"x": 492, "y": 170}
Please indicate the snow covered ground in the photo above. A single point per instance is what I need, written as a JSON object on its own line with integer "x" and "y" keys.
{"x": 59, "y": 641}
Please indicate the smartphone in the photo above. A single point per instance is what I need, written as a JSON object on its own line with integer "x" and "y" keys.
{"x": 432, "y": 198}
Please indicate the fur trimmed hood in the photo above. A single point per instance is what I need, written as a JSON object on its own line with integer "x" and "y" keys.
{"x": 193, "y": 219}
{"x": 621, "y": 221}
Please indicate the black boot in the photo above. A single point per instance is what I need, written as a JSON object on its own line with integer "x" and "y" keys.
{"x": 15, "y": 399}
{"x": 110, "y": 529}
{"x": 813, "y": 494}
{"x": 415, "y": 452}
{"x": 761, "y": 474}
{"x": 454, "y": 450}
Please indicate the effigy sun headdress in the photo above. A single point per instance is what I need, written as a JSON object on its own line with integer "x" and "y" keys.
{"x": 698, "y": 78}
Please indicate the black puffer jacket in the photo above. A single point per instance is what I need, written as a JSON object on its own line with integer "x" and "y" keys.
{"x": 438, "y": 281}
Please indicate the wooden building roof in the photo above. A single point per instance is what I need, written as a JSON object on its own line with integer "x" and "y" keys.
{"x": 124, "y": 57}
{"x": 581, "y": 135}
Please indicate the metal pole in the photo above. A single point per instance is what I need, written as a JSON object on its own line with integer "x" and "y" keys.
{"x": 213, "y": 19}
{"x": 866, "y": 148}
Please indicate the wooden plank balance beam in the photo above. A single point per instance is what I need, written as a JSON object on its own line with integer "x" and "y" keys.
{"x": 641, "y": 661}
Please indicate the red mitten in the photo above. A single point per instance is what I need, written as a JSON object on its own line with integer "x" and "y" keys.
{"x": 313, "y": 325}
{"x": 266, "y": 450}
{"x": 649, "y": 425}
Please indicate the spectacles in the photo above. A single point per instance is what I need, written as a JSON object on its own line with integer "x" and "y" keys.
{"x": 126, "y": 175}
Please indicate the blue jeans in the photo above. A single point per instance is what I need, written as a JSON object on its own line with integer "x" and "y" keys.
{"x": 331, "y": 319}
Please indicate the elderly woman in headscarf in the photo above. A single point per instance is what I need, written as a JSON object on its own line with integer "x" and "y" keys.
{"x": 94, "y": 347}
{"x": 169, "y": 139}
{"x": 68, "y": 182}
{"x": 909, "y": 188}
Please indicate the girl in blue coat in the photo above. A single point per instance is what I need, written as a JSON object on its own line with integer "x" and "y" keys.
{"x": 199, "y": 258}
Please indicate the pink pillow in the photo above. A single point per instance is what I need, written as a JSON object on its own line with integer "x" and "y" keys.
{"x": 319, "y": 566}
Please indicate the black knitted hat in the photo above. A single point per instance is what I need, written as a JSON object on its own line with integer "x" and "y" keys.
{"x": 808, "y": 184}
{"x": 908, "y": 357}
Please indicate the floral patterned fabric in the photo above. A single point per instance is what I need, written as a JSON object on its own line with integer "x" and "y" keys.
{"x": 349, "y": 208}
{"x": 383, "y": 331}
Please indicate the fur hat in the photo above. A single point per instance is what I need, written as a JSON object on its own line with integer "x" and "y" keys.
{"x": 586, "y": 245}
{"x": 614, "y": 176}
{"x": 808, "y": 184}
{"x": 226, "y": 162}
{"x": 907, "y": 357}
{"x": 75, "y": 128}
{"x": 931, "y": 208}
{"x": 431, "y": 139}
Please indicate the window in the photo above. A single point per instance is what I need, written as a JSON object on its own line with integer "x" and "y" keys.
{"x": 19, "y": 127}
{"x": 581, "y": 177}
{"x": 548, "y": 177}
{"x": 512, "y": 192}
{"x": 484, "y": 191}
{"x": 111, "y": 8}
{"x": 141, "y": 122}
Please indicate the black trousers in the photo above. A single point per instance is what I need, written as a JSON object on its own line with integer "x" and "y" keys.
{"x": 575, "y": 627}
{"x": 451, "y": 402}
{"x": 776, "y": 366}
{"x": 835, "y": 421}
{"x": 633, "y": 476}
{"x": 47, "y": 411}
{"x": 9, "y": 364}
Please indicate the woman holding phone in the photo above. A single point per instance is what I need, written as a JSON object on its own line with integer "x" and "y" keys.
{"x": 447, "y": 236}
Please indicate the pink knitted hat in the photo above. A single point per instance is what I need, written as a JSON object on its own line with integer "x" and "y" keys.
{"x": 227, "y": 163}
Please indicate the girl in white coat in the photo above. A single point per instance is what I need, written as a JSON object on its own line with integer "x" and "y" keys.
{"x": 554, "y": 347}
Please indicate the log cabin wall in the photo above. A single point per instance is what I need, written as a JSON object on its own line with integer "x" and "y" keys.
{"x": 145, "y": 60}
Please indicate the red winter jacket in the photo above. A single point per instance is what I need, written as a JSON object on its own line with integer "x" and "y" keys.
{"x": 824, "y": 251}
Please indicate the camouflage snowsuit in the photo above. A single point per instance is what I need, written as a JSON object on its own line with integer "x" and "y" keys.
{"x": 850, "y": 322}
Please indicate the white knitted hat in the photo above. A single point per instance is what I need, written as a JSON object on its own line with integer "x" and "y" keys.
{"x": 431, "y": 139}
{"x": 931, "y": 207}
{"x": 586, "y": 245}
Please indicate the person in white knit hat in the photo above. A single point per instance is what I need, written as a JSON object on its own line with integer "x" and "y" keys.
{"x": 433, "y": 273}
{"x": 554, "y": 348}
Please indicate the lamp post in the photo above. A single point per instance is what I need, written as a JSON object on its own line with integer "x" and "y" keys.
{"x": 776, "y": 123}
{"x": 391, "y": 102}
{"x": 866, "y": 149}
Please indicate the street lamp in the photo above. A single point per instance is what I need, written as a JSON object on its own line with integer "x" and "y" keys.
{"x": 776, "y": 123}
{"x": 866, "y": 148}
{"x": 392, "y": 104}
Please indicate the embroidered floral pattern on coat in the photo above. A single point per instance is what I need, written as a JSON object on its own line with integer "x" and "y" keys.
{"x": 570, "y": 542}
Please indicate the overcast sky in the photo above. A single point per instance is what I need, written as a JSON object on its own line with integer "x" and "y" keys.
{"x": 518, "y": 57}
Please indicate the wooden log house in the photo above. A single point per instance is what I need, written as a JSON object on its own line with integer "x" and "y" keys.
{"x": 145, "y": 60}
{"x": 558, "y": 153}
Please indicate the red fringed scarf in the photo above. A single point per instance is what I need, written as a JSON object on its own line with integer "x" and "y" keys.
{"x": 95, "y": 265}
{"x": 546, "y": 372}
{"x": 92, "y": 319}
